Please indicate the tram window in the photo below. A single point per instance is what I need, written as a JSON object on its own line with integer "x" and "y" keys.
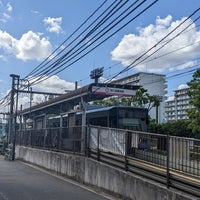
{"x": 99, "y": 121}
{"x": 132, "y": 113}
{"x": 125, "y": 114}
{"x": 130, "y": 123}
{"x": 113, "y": 122}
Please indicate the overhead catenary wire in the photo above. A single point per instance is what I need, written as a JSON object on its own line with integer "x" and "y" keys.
{"x": 41, "y": 66}
{"x": 56, "y": 62}
{"x": 57, "y": 72}
{"x": 77, "y": 29}
{"x": 163, "y": 55}
{"x": 104, "y": 39}
{"x": 180, "y": 74}
{"x": 156, "y": 58}
{"x": 84, "y": 46}
{"x": 47, "y": 59}
{"x": 76, "y": 45}
{"x": 138, "y": 61}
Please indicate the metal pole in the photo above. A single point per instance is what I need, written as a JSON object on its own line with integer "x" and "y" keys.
{"x": 20, "y": 127}
{"x": 98, "y": 148}
{"x": 168, "y": 171}
{"x": 15, "y": 116}
{"x": 11, "y": 109}
{"x": 88, "y": 140}
{"x": 126, "y": 149}
{"x": 83, "y": 146}
{"x": 12, "y": 127}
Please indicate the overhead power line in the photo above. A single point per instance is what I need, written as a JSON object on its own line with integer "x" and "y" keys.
{"x": 59, "y": 47}
{"x": 70, "y": 52}
{"x": 80, "y": 35}
{"x": 114, "y": 18}
{"x": 140, "y": 59}
{"x": 57, "y": 69}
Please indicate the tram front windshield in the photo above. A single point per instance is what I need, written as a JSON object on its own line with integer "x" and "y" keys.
{"x": 127, "y": 119}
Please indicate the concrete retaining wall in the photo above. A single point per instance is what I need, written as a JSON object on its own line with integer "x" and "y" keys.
{"x": 85, "y": 170}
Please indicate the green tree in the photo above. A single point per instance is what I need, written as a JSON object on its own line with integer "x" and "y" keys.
{"x": 194, "y": 94}
{"x": 176, "y": 128}
{"x": 144, "y": 99}
{"x": 106, "y": 102}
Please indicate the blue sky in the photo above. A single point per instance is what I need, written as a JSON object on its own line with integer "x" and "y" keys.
{"x": 31, "y": 29}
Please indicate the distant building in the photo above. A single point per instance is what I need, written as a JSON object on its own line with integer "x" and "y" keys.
{"x": 176, "y": 106}
{"x": 155, "y": 85}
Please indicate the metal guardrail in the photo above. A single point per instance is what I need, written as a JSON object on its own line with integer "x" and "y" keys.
{"x": 176, "y": 153}
{"x": 178, "y": 181}
{"x": 172, "y": 161}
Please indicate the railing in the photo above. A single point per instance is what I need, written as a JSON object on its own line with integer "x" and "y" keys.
{"x": 174, "y": 161}
{"x": 59, "y": 139}
{"x": 182, "y": 154}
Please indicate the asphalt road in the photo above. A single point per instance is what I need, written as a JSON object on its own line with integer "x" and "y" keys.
{"x": 19, "y": 181}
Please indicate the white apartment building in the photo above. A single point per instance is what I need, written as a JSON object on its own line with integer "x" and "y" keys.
{"x": 155, "y": 85}
{"x": 176, "y": 106}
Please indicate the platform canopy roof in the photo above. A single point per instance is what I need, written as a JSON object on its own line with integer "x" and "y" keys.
{"x": 91, "y": 92}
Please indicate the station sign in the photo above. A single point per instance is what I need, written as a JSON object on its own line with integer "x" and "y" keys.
{"x": 111, "y": 91}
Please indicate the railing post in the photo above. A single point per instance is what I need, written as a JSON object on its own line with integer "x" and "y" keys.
{"x": 168, "y": 160}
{"x": 59, "y": 138}
{"x": 98, "y": 149}
{"x": 125, "y": 152}
{"x": 73, "y": 139}
{"x": 88, "y": 141}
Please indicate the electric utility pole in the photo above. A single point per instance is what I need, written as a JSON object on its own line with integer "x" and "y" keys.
{"x": 12, "y": 119}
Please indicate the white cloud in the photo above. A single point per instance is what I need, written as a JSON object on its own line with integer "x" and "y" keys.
{"x": 170, "y": 98}
{"x": 183, "y": 86}
{"x": 6, "y": 12}
{"x": 30, "y": 46}
{"x": 132, "y": 46}
{"x": 2, "y": 57}
{"x": 6, "y": 16}
{"x": 37, "y": 13}
{"x": 53, "y": 24}
{"x": 54, "y": 84}
{"x": 6, "y": 41}
{"x": 9, "y": 7}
